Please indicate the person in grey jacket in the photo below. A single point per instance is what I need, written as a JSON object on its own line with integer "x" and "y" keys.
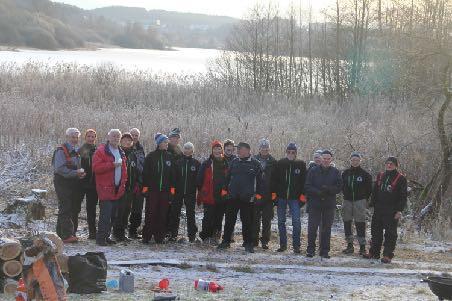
{"x": 67, "y": 173}
{"x": 322, "y": 184}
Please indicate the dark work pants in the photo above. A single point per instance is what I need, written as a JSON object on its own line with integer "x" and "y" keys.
{"x": 136, "y": 213}
{"x": 90, "y": 194}
{"x": 122, "y": 216}
{"x": 383, "y": 222}
{"x": 208, "y": 222}
{"x": 323, "y": 219}
{"x": 263, "y": 213}
{"x": 69, "y": 200}
{"x": 246, "y": 209}
{"x": 176, "y": 207}
{"x": 360, "y": 232}
{"x": 107, "y": 216}
{"x": 220, "y": 214}
{"x": 156, "y": 214}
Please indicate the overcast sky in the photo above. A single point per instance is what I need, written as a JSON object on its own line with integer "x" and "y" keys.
{"x": 233, "y": 8}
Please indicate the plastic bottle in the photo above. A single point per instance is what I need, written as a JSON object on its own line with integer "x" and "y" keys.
{"x": 126, "y": 281}
{"x": 111, "y": 284}
{"x": 21, "y": 292}
{"x": 207, "y": 286}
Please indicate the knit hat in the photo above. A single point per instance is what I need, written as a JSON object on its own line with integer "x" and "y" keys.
{"x": 264, "y": 143}
{"x": 244, "y": 145}
{"x": 90, "y": 131}
{"x": 327, "y": 152}
{"x": 174, "y": 133}
{"x": 355, "y": 154}
{"x": 292, "y": 146}
{"x": 159, "y": 138}
{"x": 189, "y": 145}
{"x": 127, "y": 135}
{"x": 393, "y": 160}
{"x": 216, "y": 143}
{"x": 228, "y": 142}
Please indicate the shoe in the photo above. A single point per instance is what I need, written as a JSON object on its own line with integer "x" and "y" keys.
{"x": 362, "y": 249}
{"x": 145, "y": 241}
{"x": 349, "y": 250}
{"x": 309, "y": 255}
{"x": 371, "y": 256}
{"x": 110, "y": 241}
{"x": 70, "y": 240}
{"x": 296, "y": 250}
{"x": 92, "y": 236}
{"x": 325, "y": 256}
{"x": 282, "y": 249}
{"x": 243, "y": 244}
{"x": 122, "y": 239}
{"x": 386, "y": 259}
{"x": 191, "y": 239}
{"x": 172, "y": 239}
{"x": 264, "y": 247}
{"x": 224, "y": 245}
{"x": 102, "y": 243}
{"x": 134, "y": 235}
{"x": 249, "y": 248}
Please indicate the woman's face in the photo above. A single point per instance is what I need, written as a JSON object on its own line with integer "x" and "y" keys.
{"x": 217, "y": 151}
{"x": 90, "y": 138}
{"x": 126, "y": 142}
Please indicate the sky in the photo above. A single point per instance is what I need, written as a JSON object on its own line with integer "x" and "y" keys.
{"x": 232, "y": 8}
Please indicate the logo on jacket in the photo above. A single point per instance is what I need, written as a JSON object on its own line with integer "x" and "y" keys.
{"x": 133, "y": 164}
{"x": 389, "y": 188}
{"x": 168, "y": 163}
{"x": 297, "y": 171}
{"x": 193, "y": 168}
{"x": 359, "y": 179}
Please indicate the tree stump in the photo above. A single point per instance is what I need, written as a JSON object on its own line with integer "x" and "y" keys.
{"x": 31, "y": 207}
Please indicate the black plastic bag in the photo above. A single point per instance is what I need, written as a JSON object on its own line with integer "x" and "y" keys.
{"x": 87, "y": 273}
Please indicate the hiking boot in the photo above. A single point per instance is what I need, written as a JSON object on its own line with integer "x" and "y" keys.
{"x": 349, "y": 250}
{"x": 296, "y": 250}
{"x": 362, "y": 249}
{"x": 264, "y": 247}
{"x": 325, "y": 256}
{"x": 371, "y": 256}
{"x": 70, "y": 240}
{"x": 282, "y": 249}
{"x": 102, "y": 243}
{"x": 92, "y": 236}
{"x": 386, "y": 259}
{"x": 172, "y": 239}
{"x": 191, "y": 239}
{"x": 224, "y": 245}
{"x": 309, "y": 255}
{"x": 134, "y": 235}
{"x": 249, "y": 248}
{"x": 110, "y": 241}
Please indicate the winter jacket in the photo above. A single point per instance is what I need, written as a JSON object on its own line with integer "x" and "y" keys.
{"x": 104, "y": 172}
{"x": 288, "y": 179}
{"x": 322, "y": 185}
{"x": 132, "y": 169}
{"x": 389, "y": 193}
{"x": 245, "y": 179}
{"x": 158, "y": 172}
{"x": 210, "y": 182}
{"x": 268, "y": 165}
{"x": 356, "y": 184}
{"x": 140, "y": 154}
{"x": 66, "y": 161}
{"x": 187, "y": 169}
{"x": 175, "y": 151}
{"x": 86, "y": 156}
{"x": 230, "y": 158}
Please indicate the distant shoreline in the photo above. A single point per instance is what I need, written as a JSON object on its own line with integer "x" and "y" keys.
{"x": 88, "y": 47}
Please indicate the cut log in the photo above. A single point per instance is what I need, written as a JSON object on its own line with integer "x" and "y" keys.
{"x": 12, "y": 268}
{"x": 9, "y": 248}
{"x": 10, "y": 286}
{"x": 56, "y": 241}
{"x": 31, "y": 207}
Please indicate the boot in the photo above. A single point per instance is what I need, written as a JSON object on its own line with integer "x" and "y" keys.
{"x": 362, "y": 249}
{"x": 282, "y": 249}
{"x": 386, "y": 259}
{"x": 350, "y": 249}
{"x": 296, "y": 250}
{"x": 249, "y": 248}
{"x": 224, "y": 245}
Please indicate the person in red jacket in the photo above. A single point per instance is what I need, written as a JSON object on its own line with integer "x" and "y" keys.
{"x": 109, "y": 167}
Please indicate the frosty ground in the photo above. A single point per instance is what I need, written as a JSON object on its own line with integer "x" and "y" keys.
{"x": 265, "y": 275}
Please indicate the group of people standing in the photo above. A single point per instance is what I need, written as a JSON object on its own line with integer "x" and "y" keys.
{"x": 120, "y": 178}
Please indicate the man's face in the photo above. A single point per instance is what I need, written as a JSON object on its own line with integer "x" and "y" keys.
{"x": 217, "y": 151}
{"x": 73, "y": 139}
{"x": 264, "y": 151}
{"x": 318, "y": 159}
{"x": 188, "y": 152}
{"x": 355, "y": 161}
{"x": 126, "y": 142}
{"x": 291, "y": 154}
{"x": 390, "y": 166}
{"x": 243, "y": 152}
{"x": 164, "y": 145}
{"x": 135, "y": 135}
{"x": 174, "y": 140}
{"x": 90, "y": 138}
{"x": 326, "y": 160}
{"x": 114, "y": 139}
{"x": 229, "y": 150}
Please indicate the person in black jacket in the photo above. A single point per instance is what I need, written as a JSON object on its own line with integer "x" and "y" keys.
{"x": 264, "y": 208}
{"x": 88, "y": 184}
{"x": 288, "y": 180}
{"x": 357, "y": 188}
{"x": 136, "y": 211}
{"x": 244, "y": 184}
{"x": 389, "y": 199}
{"x": 323, "y": 183}
{"x": 125, "y": 204}
{"x": 186, "y": 171}
{"x": 158, "y": 187}
{"x": 174, "y": 148}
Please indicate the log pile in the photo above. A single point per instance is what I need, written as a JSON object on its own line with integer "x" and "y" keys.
{"x": 11, "y": 263}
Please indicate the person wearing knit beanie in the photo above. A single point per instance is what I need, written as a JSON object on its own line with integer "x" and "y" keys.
{"x": 229, "y": 150}
{"x": 160, "y": 138}
{"x": 174, "y": 139}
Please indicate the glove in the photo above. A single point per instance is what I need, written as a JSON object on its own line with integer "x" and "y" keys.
{"x": 302, "y": 198}
{"x": 274, "y": 196}
{"x": 173, "y": 191}
{"x": 145, "y": 191}
{"x": 258, "y": 197}
{"x": 172, "y": 194}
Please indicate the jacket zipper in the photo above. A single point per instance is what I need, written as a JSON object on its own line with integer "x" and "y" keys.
{"x": 185, "y": 180}
{"x": 161, "y": 170}
{"x": 288, "y": 179}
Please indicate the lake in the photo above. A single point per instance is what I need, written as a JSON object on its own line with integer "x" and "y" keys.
{"x": 180, "y": 61}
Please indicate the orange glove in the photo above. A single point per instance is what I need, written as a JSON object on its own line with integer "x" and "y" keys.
{"x": 224, "y": 192}
{"x": 302, "y": 198}
{"x": 145, "y": 189}
{"x": 172, "y": 191}
{"x": 274, "y": 196}
{"x": 258, "y": 197}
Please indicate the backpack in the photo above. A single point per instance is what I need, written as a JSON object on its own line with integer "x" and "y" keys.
{"x": 87, "y": 273}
